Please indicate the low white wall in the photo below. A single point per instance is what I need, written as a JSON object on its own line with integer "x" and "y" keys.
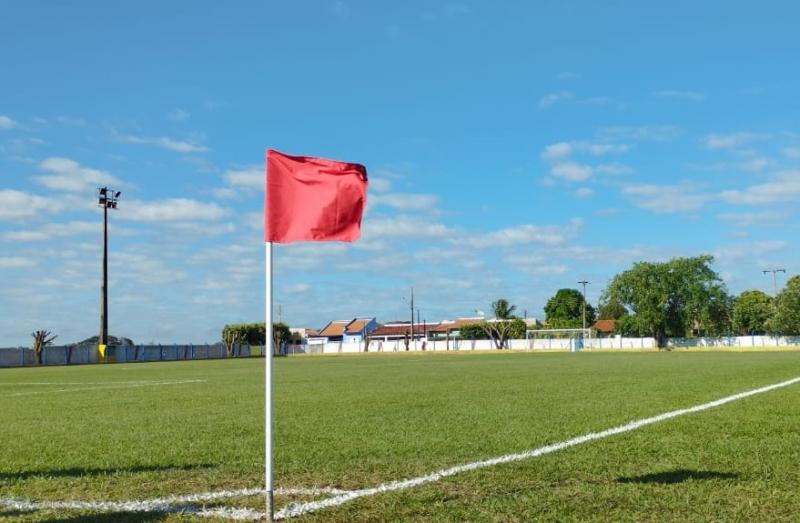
{"x": 735, "y": 341}
{"x": 478, "y": 345}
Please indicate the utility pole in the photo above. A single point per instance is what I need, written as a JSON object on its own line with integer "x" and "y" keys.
{"x": 107, "y": 199}
{"x": 774, "y": 279}
{"x": 584, "y": 283}
{"x": 280, "y": 313}
{"x": 412, "y": 319}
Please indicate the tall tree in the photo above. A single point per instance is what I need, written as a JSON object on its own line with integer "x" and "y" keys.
{"x": 503, "y": 310}
{"x": 505, "y": 325}
{"x": 611, "y": 310}
{"x": 751, "y": 311}
{"x": 681, "y": 297}
{"x": 786, "y": 319}
{"x": 565, "y": 310}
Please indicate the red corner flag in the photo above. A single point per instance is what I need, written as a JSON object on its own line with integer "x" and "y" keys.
{"x": 313, "y": 199}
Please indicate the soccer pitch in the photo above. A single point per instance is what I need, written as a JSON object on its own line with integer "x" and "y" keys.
{"x": 186, "y": 438}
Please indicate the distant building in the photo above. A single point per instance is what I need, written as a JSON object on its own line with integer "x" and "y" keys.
{"x": 357, "y": 330}
{"x": 300, "y": 336}
{"x": 347, "y": 331}
{"x": 399, "y": 330}
{"x": 604, "y": 328}
{"x": 451, "y": 328}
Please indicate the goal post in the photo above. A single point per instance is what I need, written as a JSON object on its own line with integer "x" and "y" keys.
{"x": 573, "y": 340}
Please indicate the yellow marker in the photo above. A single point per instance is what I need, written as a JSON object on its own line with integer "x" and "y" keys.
{"x": 102, "y": 350}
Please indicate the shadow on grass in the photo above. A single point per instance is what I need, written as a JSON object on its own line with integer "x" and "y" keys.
{"x": 678, "y": 476}
{"x": 78, "y": 472}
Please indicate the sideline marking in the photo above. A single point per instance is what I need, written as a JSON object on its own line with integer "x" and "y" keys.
{"x": 171, "y": 503}
{"x": 340, "y": 497}
{"x": 104, "y": 387}
{"x": 298, "y": 509}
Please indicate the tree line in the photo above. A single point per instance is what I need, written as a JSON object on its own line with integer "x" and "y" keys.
{"x": 683, "y": 297}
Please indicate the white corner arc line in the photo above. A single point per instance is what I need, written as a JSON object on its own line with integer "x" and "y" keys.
{"x": 171, "y": 503}
{"x": 298, "y": 509}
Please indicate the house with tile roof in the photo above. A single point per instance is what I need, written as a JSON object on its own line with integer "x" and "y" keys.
{"x": 346, "y": 331}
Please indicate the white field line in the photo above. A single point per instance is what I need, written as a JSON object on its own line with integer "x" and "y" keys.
{"x": 169, "y": 504}
{"x": 106, "y": 387}
{"x": 298, "y": 509}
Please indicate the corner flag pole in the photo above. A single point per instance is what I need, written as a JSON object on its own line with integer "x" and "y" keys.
{"x": 268, "y": 354}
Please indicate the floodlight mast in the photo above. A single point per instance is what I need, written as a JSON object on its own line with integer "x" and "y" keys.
{"x": 107, "y": 199}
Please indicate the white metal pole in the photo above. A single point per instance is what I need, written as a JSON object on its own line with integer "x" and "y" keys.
{"x": 268, "y": 354}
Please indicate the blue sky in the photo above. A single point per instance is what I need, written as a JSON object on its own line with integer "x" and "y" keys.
{"x": 513, "y": 148}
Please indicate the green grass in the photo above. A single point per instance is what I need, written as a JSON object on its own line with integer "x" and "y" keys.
{"x": 355, "y": 422}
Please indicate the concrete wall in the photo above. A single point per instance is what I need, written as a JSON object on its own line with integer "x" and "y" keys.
{"x": 69, "y": 355}
{"x": 480, "y": 345}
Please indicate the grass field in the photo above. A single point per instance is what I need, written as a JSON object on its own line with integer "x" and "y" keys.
{"x": 144, "y": 431}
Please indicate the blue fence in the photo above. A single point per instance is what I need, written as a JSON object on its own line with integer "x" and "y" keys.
{"x": 75, "y": 355}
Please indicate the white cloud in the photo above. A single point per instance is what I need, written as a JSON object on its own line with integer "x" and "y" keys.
{"x": 165, "y": 142}
{"x": 750, "y": 219}
{"x": 557, "y": 151}
{"x": 665, "y": 198}
{"x": 755, "y": 165}
{"x": 172, "y": 209}
{"x": 404, "y": 201}
{"x": 584, "y": 192}
{"x": 644, "y": 133}
{"x": 561, "y": 150}
{"x": 746, "y": 250}
{"x": 251, "y": 177}
{"x": 571, "y": 171}
{"x": 6, "y": 122}
{"x": 600, "y": 149}
{"x": 730, "y": 141}
{"x": 551, "y": 99}
{"x": 682, "y": 95}
{"x": 523, "y": 234}
{"x": 16, "y": 262}
{"x": 783, "y": 186}
{"x": 380, "y": 184}
{"x": 68, "y": 175}
{"x": 404, "y": 227}
{"x": 791, "y": 152}
{"x": 614, "y": 169}
{"x": 51, "y": 230}
{"x": 297, "y": 288}
{"x": 15, "y": 205}
{"x": 225, "y": 193}
{"x": 178, "y": 115}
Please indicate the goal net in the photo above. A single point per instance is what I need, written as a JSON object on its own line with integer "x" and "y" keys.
{"x": 573, "y": 340}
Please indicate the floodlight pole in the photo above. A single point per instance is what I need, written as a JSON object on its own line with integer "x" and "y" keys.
{"x": 104, "y": 284}
{"x": 107, "y": 199}
{"x": 774, "y": 279}
{"x": 584, "y": 283}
